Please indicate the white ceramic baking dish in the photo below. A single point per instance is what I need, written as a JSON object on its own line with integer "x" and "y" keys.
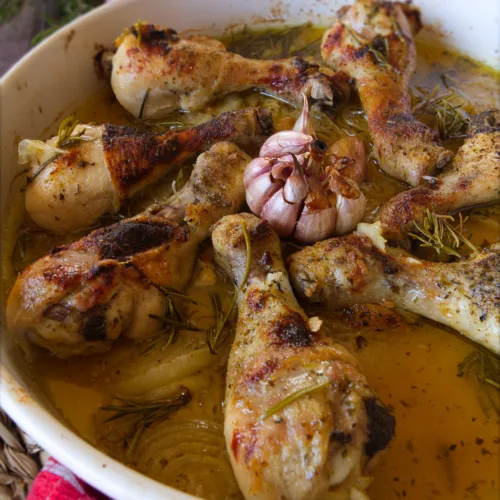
{"x": 52, "y": 79}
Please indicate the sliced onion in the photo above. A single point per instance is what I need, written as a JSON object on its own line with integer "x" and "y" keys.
{"x": 349, "y": 158}
{"x": 282, "y": 143}
{"x": 349, "y": 212}
{"x": 260, "y": 190}
{"x": 256, "y": 167}
{"x": 303, "y": 123}
{"x": 281, "y": 215}
{"x": 315, "y": 225}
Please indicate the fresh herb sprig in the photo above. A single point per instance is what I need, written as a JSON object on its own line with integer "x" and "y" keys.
{"x": 382, "y": 59}
{"x": 65, "y": 139}
{"x": 218, "y": 334}
{"x": 145, "y": 413}
{"x": 451, "y": 119}
{"x": 172, "y": 320}
{"x": 484, "y": 368}
{"x": 437, "y": 232}
{"x": 273, "y": 44}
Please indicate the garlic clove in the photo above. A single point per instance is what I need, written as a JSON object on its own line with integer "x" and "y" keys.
{"x": 303, "y": 123}
{"x": 315, "y": 225}
{"x": 281, "y": 215}
{"x": 282, "y": 169}
{"x": 349, "y": 158}
{"x": 255, "y": 168}
{"x": 350, "y": 211}
{"x": 260, "y": 190}
{"x": 283, "y": 143}
{"x": 295, "y": 189}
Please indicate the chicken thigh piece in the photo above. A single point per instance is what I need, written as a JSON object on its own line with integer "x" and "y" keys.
{"x": 94, "y": 176}
{"x": 463, "y": 295}
{"x": 300, "y": 418}
{"x": 372, "y": 41}
{"x": 473, "y": 178}
{"x": 157, "y": 71}
{"x": 82, "y": 296}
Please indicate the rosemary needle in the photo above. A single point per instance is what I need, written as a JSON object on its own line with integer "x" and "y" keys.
{"x": 146, "y": 412}
{"x": 216, "y": 336}
{"x": 173, "y": 322}
{"x": 143, "y": 103}
{"x": 437, "y": 232}
{"x": 291, "y": 398}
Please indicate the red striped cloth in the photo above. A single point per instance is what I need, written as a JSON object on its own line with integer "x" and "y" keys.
{"x": 56, "y": 482}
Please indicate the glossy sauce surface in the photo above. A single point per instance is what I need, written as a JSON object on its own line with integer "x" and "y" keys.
{"x": 447, "y": 444}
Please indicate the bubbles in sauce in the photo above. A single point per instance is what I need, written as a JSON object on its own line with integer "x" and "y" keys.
{"x": 446, "y": 446}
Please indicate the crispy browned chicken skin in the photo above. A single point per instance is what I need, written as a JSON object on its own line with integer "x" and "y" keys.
{"x": 318, "y": 442}
{"x": 464, "y": 295}
{"x": 473, "y": 178}
{"x": 96, "y": 176}
{"x": 172, "y": 72}
{"x": 373, "y": 43}
{"x": 82, "y": 296}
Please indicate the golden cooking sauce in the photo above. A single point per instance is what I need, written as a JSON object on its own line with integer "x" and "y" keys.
{"x": 447, "y": 437}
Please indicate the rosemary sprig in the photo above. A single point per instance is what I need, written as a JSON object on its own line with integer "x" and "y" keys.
{"x": 272, "y": 44}
{"x": 183, "y": 325}
{"x": 291, "y": 398}
{"x": 218, "y": 334}
{"x": 66, "y": 128}
{"x": 379, "y": 56}
{"x": 170, "y": 292}
{"x": 145, "y": 413}
{"x": 39, "y": 170}
{"x": 484, "y": 368}
{"x": 438, "y": 233}
{"x": 451, "y": 120}
{"x": 64, "y": 139}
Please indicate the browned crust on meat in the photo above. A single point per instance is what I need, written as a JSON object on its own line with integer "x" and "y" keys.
{"x": 291, "y": 330}
{"x": 129, "y": 237}
{"x": 133, "y": 156}
{"x": 372, "y": 316}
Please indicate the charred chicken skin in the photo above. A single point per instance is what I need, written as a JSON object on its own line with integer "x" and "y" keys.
{"x": 321, "y": 439}
{"x": 113, "y": 163}
{"x": 463, "y": 295}
{"x": 82, "y": 296}
{"x": 157, "y": 71}
{"x": 473, "y": 178}
{"x": 373, "y": 42}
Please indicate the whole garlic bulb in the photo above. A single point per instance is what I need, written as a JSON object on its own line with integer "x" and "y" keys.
{"x": 305, "y": 189}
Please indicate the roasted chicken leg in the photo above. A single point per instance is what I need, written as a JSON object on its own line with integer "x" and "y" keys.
{"x": 300, "y": 418}
{"x": 94, "y": 176}
{"x": 372, "y": 41}
{"x": 157, "y": 71}
{"x": 472, "y": 179}
{"x": 464, "y": 295}
{"x": 81, "y": 297}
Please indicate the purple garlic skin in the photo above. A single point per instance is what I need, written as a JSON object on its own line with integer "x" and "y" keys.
{"x": 305, "y": 189}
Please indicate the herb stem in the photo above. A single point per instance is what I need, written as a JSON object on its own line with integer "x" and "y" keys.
{"x": 143, "y": 103}
{"x": 184, "y": 325}
{"x": 291, "y": 398}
